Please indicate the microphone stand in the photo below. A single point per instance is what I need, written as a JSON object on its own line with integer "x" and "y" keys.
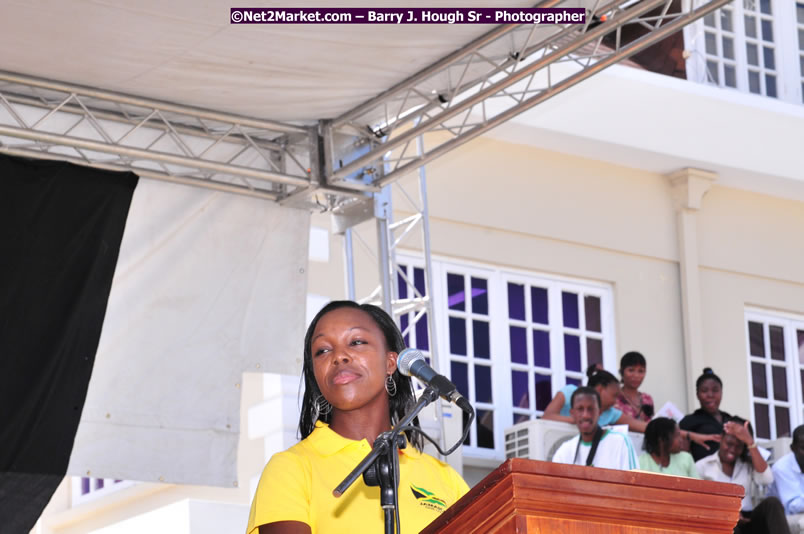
{"x": 384, "y": 461}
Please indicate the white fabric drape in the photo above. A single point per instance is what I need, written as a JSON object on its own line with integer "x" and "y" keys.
{"x": 208, "y": 285}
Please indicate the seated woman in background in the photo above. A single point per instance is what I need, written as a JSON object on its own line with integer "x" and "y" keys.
{"x": 663, "y": 452}
{"x": 607, "y": 387}
{"x": 594, "y": 446}
{"x": 739, "y": 461}
{"x": 708, "y": 419}
{"x": 631, "y": 401}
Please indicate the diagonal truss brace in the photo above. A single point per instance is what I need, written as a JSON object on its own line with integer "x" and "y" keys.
{"x": 500, "y": 75}
{"x": 45, "y": 119}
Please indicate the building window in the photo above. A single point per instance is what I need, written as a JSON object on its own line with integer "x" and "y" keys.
{"x": 469, "y": 348}
{"x": 776, "y": 369}
{"x": 738, "y": 46}
{"x": 529, "y": 348}
{"x": 760, "y": 50}
{"x": 510, "y": 340}
{"x": 86, "y": 489}
{"x": 800, "y": 40}
{"x": 555, "y": 331}
{"x": 411, "y": 286}
{"x": 719, "y": 47}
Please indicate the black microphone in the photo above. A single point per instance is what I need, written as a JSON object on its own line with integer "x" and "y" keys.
{"x": 411, "y": 362}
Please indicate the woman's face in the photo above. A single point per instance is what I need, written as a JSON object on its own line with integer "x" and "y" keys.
{"x": 709, "y": 395}
{"x": 608, "y": 395}
{"x": 351, "y": 360}
{"x": 633, "y": 375}
{"x": 730, "y": 449}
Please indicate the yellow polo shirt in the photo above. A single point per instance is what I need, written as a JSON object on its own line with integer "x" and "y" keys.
{"x": 297, "y": 485}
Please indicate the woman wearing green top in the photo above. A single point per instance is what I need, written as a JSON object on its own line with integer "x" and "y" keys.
{"x": 663, "y": 452}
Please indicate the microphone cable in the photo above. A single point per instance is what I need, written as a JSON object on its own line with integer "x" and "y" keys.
{"x": 452, "y": 449}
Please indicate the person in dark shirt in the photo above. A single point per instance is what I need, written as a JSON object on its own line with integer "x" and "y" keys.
{"x": 708, "y": 419}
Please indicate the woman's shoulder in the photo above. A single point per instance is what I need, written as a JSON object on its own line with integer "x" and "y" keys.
{"x": 683, "y": 457}
{"x": 646, "y": 462}
{"x": 646, "y": 398}
{"x": 298, "y": 456}
{"x": 621, "y": 403}
{"x": 610, "y": 416}
{"x": 287, "y": 473}
{"x": 690, "y": 420}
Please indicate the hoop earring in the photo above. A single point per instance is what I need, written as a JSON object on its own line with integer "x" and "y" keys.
{"x": 321, "y": 406}
{"x": 390, "y": 385}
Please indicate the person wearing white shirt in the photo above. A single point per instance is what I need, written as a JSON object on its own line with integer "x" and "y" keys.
{"x": 594, "y": 446}
{"x": 788, "y": 481}
{"x": 739, "y": 461}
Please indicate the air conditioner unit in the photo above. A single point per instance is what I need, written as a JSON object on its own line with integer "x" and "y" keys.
{"x": 539, "y": 439}
{"x": 453, "y": 431}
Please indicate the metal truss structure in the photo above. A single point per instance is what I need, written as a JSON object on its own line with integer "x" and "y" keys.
{"x": 498, "y": 76}
{"x": 503, "y": 73}
{"x": 417, "y": 303}
{"x": 41, "y": 118}
{"x": 338, "y": 162}
{"x": 343, "y": 165}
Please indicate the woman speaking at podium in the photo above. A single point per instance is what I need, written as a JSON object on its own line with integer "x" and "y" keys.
{"x": 353, "y": 392}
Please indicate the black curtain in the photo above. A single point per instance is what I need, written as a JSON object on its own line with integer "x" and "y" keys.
{"x": 60, "y": 232}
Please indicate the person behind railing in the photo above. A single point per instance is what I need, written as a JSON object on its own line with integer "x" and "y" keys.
{"x": 630, "y": 400}
{"x": 594, "y": 446}
{"x": 663, "y": 452}
{"x": 709, "y": 418}
{"x": 607, "y": 387}
{"x": 739, "y": 461}
{"x": 788, "y": 481}
{"x": 353, "y": 392}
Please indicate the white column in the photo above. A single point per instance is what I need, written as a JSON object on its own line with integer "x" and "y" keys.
{"x": 689, "y": 187}
{"x": 275, "y": 420}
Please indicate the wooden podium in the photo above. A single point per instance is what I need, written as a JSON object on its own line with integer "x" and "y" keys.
{"x": 527, "y": 496}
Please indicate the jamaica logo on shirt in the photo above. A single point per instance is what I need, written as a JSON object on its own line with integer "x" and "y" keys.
{"x": 428, "y": 499}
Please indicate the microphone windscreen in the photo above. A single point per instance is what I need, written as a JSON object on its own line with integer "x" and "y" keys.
{"x": 406, "y": 359}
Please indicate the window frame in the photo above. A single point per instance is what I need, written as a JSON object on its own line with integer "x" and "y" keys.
{"x": 555, "y": 286}
{"x": 789, "y": 81}
{"x": 798, "y": 59}
{"x": 110, "y": 486}
{"x": 440, "y": 269}
{"x": 499, "y": 360}
{"x": 792, "y": 365}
